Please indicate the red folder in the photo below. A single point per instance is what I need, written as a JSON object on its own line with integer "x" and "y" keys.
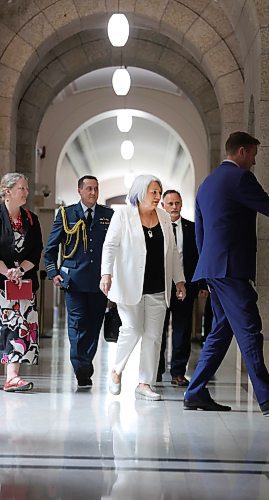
{"x": 13, "y": 292}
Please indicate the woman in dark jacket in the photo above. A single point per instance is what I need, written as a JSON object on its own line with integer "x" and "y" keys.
{"x": 20, "y": 253}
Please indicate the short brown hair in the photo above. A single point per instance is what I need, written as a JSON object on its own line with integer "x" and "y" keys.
{"x": 82, "y": 179}
{"x": 238, "y": 140}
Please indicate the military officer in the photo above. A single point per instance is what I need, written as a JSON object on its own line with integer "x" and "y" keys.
{"x": 80, "y": 229}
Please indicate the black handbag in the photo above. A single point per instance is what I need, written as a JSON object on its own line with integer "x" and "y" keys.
{"x": 112, "y": 323}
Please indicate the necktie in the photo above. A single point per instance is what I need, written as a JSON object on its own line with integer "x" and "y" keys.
{"x": 89, "y": 217}
{"x": 175, "y": 230}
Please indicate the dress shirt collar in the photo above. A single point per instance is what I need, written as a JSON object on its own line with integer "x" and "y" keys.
{"x": 234, "y": 162}
{"x": 177, "y": 222}
{"x": 85, "y": 208}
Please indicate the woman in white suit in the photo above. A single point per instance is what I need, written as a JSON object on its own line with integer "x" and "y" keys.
{"x": 139, "y": 261}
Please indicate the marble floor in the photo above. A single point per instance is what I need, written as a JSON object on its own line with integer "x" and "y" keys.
{"x": 58, "y": 443}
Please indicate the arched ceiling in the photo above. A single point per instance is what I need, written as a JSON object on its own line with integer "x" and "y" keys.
{"x": 91, "y": 50}
{"x": 45, "y": 44}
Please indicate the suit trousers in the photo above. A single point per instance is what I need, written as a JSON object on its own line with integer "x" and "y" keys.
{"x": 181, "y": 311}
{"x": 143, "y": 320}
{"x": 85, "y": 317}
{"x": 235, "y": 313}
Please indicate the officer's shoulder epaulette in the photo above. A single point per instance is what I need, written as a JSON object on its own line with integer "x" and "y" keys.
{"x": 105, "y": 206}
{"x": 68, "y": 207}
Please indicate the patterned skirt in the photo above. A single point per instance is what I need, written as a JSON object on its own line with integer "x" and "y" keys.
{"x": 18, "y": 331}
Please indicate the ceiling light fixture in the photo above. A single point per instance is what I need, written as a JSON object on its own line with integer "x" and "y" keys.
{"x": 124, "y": 120}
{"x": 118, "y": 30}
{"x": 127, "y": 150}
{"x": 121, "y": 81}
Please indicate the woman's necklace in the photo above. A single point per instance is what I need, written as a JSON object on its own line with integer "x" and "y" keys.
{"x": 149, "y": 227}
{"x": 16, "y": 225}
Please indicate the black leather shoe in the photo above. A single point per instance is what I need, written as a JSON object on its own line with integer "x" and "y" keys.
{"x": 180, "y": 381}
{"x": 83, "y": 378}
{"x": 211, "y": 405}
{"x": 265, "y": 409}
{"x": 85, "y": 383}
{"x": 159, "y": 377}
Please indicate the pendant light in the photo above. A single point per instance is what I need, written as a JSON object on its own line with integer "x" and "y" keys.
{"x": 121, "y": 81}
{"x": 118, "y": 30}
{"x": 124, "y": 120}
{"x": 127, "y": 150}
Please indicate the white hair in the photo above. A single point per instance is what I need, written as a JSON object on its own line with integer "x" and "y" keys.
{"x": 9, "y": 180}
{"x": 138, "y": 189}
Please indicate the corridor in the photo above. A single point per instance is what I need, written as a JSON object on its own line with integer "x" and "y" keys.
{"x": 57, "y": 443}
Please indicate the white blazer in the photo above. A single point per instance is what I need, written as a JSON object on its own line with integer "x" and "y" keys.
{"x": 124, "y": 255}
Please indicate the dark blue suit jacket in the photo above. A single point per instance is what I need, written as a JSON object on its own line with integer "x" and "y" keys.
{"x": 190, "y": 253}
{"x": 226, "y": 207}
{"x": 84, "y": 268}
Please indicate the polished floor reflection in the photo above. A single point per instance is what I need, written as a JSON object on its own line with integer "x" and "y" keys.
{"x": 58, "y": 443}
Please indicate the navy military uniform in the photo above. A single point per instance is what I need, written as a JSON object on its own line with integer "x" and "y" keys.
{"x": 81, "y": 270}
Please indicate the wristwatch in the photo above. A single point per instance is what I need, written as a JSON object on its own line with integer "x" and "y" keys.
{"x": 22, "y": 270}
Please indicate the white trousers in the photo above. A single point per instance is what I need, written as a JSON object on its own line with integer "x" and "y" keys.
{"x": 146, "y": 320}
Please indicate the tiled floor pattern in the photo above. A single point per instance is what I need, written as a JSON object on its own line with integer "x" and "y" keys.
{"x": 58, "y": 443}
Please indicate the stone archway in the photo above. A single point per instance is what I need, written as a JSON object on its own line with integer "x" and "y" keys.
{"x": 205, "y": 34}
{"x": 39, "y": 94}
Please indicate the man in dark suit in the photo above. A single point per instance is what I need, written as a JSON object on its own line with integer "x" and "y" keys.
{"x": 181, "y": 311}
{"x": 81, "y": 230}
{"x": 226, "y": 209}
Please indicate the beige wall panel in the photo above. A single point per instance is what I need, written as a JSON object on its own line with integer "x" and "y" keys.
{"x": 152, "y": 9}
{"x": 17, "y": 54}
{"x": 89, "y": 7}
{"x": 178, "y": 17}
{"x": 213, "y": 14}
{"x": 219, "y": 61}
{"x": 5, "y": 107}
{"x": 61, "y": 13}
{"x": 16, "y": 14}
{"x": 6, "y": 36}
{"x": 36, "y": 30}
{"x": 201, "y": 35}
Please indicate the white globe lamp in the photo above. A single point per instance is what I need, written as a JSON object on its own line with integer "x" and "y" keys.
{"x": 124, "y": 120}
{"x": 121, "y": 81}
{"x": 127, "y": 150}
{"x": 118, "y": 30}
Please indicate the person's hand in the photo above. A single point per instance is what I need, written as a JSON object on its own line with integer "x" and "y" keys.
{"x": 15, "y": 274}
{"x": 105, "y": 283}
{"x": 57, "y": 280}
{"x": 203, "y": 294}
{"x": 181, "y": 290}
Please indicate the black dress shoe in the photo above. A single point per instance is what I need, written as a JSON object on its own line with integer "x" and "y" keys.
{"x": 180, "y": 381}
{"x": 83, "y": 378}
{"x": 85, "y": 383}
{"x": 265, "y": 409}
{"x": 211, "y": 405}
{"x": 159, "y": 377}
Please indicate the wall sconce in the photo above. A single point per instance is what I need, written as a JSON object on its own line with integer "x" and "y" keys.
{"x": 46, "y": 191}
{"x": 41, "y": 151}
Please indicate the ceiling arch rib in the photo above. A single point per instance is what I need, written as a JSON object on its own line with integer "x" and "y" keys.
{"x": 199, "y": 26}
{"x": 67, "y": 62}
